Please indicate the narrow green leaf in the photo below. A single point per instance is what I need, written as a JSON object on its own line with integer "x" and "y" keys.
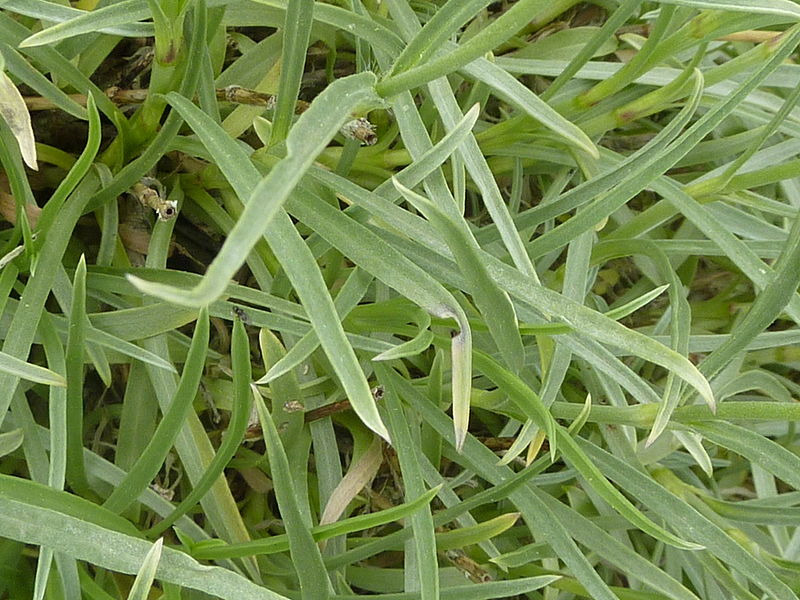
{"x": 41, "y": 497}
{"x": 57, "y": 469}
{"x": 760, "y": 450}
{"x": 505, "y": 86}
{"x": 583, "y": 416}
{"x": 20, "y": 68}
{"x": 565, "y": 44}
{"x": 280, "y": 543}
{"x": 491, "y": 36}
{"x": 151, "y": 459}
{"x": 766, "y": 308}
{"x": 232, "y": 439}
{"x": 76, "y": 173}
{"x": 466, "y": 536}
{"x": 524, "y": 289}
{"x": 744, "y": 512}
{"x": 593, "y": 476}
{"x": 542, "y": 520}
{"x": 684, "y": 518}
{"x": 140, "y": 589}
{"x": 142, "y": 322}
{"x": 601, "y": 185}
{"x": 348, "y": 297}
{"x": 292, "y": 423}
{"x": 579, "y": 59}
{"x": 630, "y": 307}
{"x": 132, "y": 172}
{"x": 501, "y": 82}
{"x": 112, "y": 342}
{"x": 74, "y": 533}
{"x": 426, "y": 578}
{"x": 626, "y": 559}
{"x": 419, "y": 343}
{"x": 262, "y": 197}
{"x": 20, "y": 368}
{"x": 521, "y": 394}
{"x": 483, "y": 591}
{"x": 76, "y": 471}
{"x": 782, "y": 8}
{"x": 10, "y": 441}
{"x": 493, "y": 303}
{"x": 53, "y": 61}
{"x": 295, "y": 35}
{"x": 314, "y": 582}
{"x": 439, "y": 29}
{"x": 648, "y": 166}
{"x": 373, "y": 255}
{"x": 43, "y": 567}
{"x": 423, "y": 165}
{"x": 680, "y": 319}
{"x": 651, "y": 51}
{"x": 121, "y": 13}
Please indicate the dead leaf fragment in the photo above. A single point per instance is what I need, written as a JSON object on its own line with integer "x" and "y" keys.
{"x": 15, "y": 113}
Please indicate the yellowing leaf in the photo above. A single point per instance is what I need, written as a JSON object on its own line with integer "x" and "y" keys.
{"x": 15, "y": 113}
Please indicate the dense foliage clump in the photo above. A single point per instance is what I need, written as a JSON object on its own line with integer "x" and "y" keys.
{"x": 433, "y": 299}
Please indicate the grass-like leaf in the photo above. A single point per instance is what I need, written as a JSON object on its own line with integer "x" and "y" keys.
{"x": 22, "y": 330}
{"x": 493, "y": 303}
{"x": 595, "y": 226}
{"x": 307, "y": 559}
{"x": 458, "y": 538}
{"x": 255, "y": 222}
{"x": 426, "y": 577}
{"x": 76, "y": 536}
{"x": 242, "y": 403}
{"x": 107, "y": 17}
{"x": 147, "y": 573}
{"x": 687, "y": 519}
{"x": 295, "y": 33}
{"x": 22, "y": 69}
{"x": 76, "y": 472}
{"x": 10, "y": 441}
{"x": 19, "y": 368}
{"x": 387, "y": 264}
{"x": 149, "y": 463}
{"x": 306, "y": 140}
{"x": 767, "y": 7}
{"x": 349, "y": 296}
{"x": 280, "y": 543}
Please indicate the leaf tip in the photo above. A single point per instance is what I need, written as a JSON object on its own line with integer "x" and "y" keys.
{"x": 381, "y": 430}
{"x": 460, "y": 438}
{"x": 265, "y": 379}
{"x": 654, "y": 435}
{"x": 692, "y": 546}
{"x": 708, "y": 396}
{"x": 193, "y": 298}
{"x": 472, "y": 113}
{"x": 399, "y": 186}
{"x": 28, "y": 42}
